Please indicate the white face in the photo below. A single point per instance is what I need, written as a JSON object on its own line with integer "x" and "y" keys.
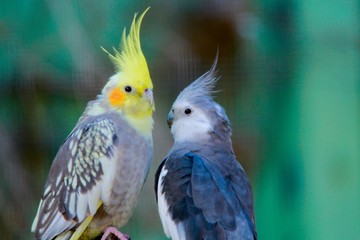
{"x": 189, "y": 123}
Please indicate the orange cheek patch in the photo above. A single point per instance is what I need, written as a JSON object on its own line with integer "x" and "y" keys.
{"x": 116, "y": 97}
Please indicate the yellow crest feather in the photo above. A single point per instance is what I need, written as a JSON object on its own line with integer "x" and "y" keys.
{"x": 130, "y": 60}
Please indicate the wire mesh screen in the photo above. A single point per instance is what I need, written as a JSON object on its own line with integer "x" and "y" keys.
{"x": 289, "y": 84}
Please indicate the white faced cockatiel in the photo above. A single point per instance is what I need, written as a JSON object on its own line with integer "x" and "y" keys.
{"x": 201, "y": 189}
{"x": 97, "y": 175}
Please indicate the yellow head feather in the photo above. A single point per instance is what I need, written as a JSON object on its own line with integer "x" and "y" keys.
{"x": 130, "y": 60}
{"x": 135, "y": 104}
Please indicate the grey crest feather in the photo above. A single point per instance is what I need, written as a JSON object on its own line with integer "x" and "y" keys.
{"x": 201, "y": 88}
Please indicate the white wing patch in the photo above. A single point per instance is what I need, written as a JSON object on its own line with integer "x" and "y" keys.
{"x": 174, "y": 230}
{"x": 84, "y": 167}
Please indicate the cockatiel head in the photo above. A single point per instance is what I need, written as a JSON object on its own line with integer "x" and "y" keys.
{"x": 130, "y": 89}
{"x": 196, "y": 111}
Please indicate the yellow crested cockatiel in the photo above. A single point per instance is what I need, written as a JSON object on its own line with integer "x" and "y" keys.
{"x": 97, "y": 175}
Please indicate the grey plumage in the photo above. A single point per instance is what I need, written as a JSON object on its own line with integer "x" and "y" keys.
{"x": 72, "y": 190}
{"x": 201, "y": 89}
{"x": 201, "y": 189}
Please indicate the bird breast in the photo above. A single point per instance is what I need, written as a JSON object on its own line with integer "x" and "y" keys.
{"x": 134, "y": 156}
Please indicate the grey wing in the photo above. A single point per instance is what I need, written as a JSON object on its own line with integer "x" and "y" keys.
{"x": 243, "y": 190}
{"x": 200, "y": 196}
{"x": 80, "y": 177}
{"x": 232, "y": 184}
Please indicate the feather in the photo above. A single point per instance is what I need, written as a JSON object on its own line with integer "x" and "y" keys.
{"x": 171, "y": 228}
{"x": 79, "y": 230}
{"x": 74, "y": 199}
{"x": 202, "y": 88}
{"x": 130, "y": 60}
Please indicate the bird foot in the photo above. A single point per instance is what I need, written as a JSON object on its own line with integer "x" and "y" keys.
{"x": 114, "y": 231}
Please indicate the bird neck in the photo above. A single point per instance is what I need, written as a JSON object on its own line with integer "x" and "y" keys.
{"x": 142, "y": 123}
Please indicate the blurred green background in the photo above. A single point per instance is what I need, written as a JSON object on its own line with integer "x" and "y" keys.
{"x": 290, "y": 79}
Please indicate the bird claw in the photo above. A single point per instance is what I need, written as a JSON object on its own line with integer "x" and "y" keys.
{"x": 112, "y": 230}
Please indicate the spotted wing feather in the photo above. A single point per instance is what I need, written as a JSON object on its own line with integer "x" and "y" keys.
{"x": 78, "y": 180}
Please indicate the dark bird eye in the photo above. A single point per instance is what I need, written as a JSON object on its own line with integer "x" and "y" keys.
{"x": 187, "y": 111}
{"x": 128, "y": 89}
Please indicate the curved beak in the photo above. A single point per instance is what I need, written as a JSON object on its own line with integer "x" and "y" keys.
{"x": 170, "y": 119}
{"x": 150, "y": 98}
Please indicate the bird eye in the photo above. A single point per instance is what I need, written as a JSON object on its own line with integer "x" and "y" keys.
{"x": 128, "y": 89}
{"x": 187, "y": 111}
